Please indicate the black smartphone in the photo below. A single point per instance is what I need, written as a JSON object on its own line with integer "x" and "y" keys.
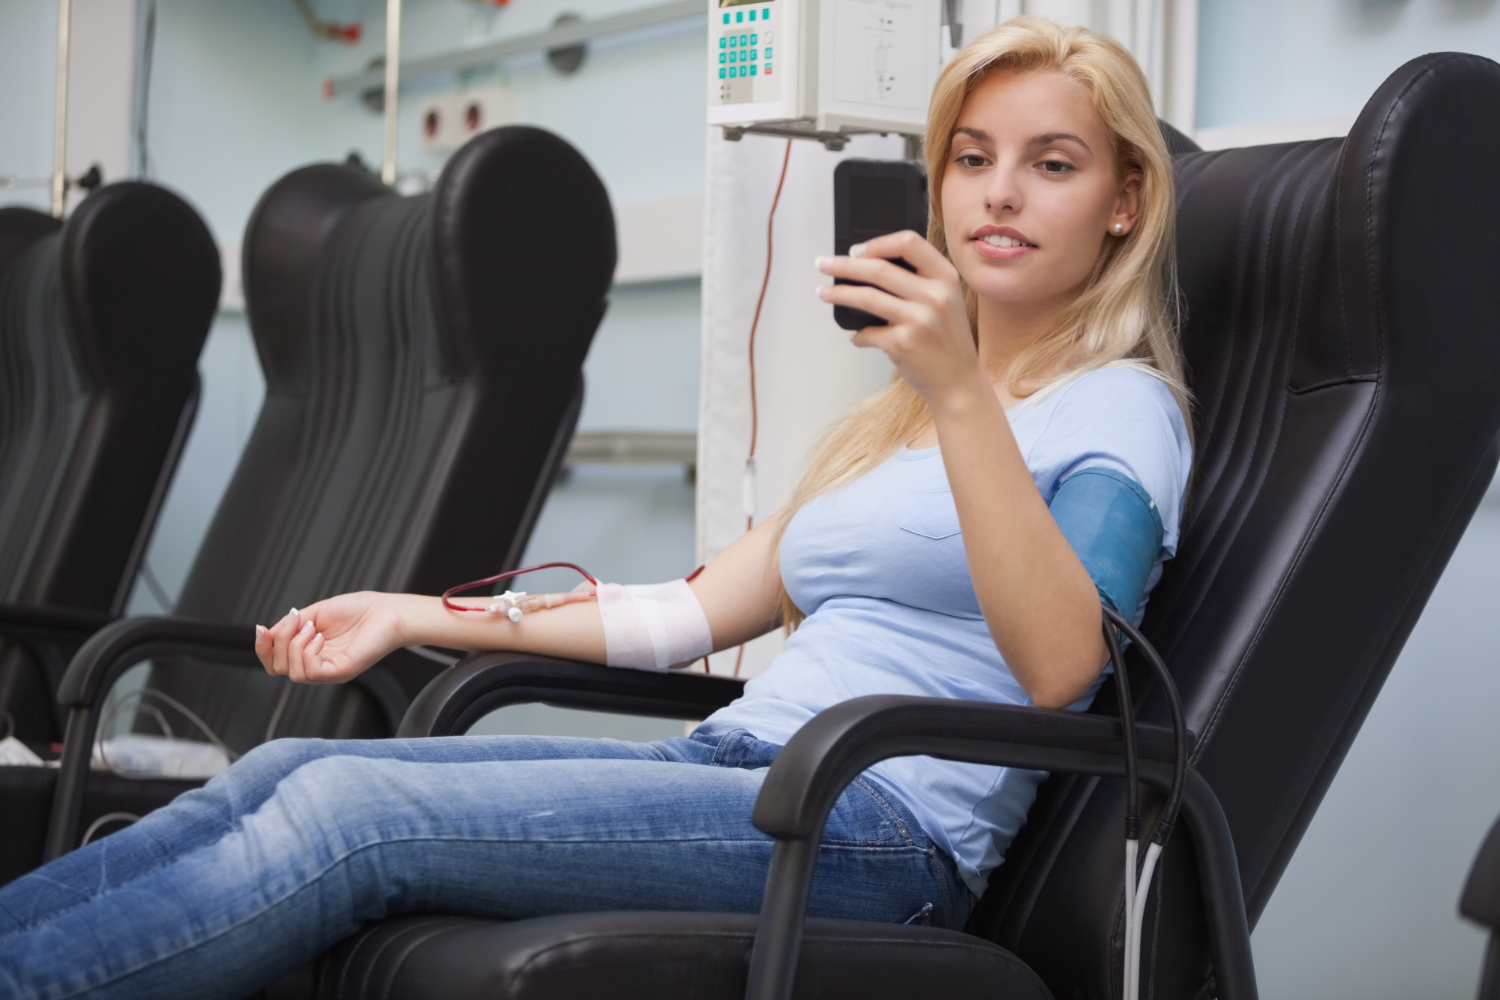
{"x": 872, "y": 198}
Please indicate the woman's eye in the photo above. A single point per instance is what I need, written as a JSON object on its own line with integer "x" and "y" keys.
{"x": 1056, "y": 166}
{"x": 971, "y": 160}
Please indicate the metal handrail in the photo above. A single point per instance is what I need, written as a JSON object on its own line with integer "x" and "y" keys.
{"x": 559, "y": 37}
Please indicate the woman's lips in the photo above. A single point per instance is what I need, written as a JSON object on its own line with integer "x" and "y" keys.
{"x": 988, "y": 249}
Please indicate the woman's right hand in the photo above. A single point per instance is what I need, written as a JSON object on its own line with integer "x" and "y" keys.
{"x": 334, "y": 640}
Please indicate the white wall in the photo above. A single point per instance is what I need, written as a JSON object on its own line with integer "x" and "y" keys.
{"x": 1276, "y": 60}
{"x": 28, "y": 35}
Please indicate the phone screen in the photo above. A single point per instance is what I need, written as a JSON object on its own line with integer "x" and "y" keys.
{"x": 872, "y": 198}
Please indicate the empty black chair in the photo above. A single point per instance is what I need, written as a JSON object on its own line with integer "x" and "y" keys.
{"x": 1342, "y": 345}
{"x": 101, "y": 324}
{"x": 422, "y": 359}
{"x": 1481, "y": 904}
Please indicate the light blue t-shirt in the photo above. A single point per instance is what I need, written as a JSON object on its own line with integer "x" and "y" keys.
{"x": 879, "y": 569}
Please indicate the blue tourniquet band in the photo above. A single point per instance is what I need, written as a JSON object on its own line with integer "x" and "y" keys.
{"x": 1115, "y": 529}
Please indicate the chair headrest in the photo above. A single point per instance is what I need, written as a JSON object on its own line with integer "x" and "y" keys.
{"x": 285, "y": 242}
{"x": 502, "y": 269}
{"x": 19, "y": 229}
{"x": 141, "y": 277}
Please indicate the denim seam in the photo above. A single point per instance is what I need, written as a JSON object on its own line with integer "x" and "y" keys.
{"x": 880, "y": 800}
{"x": 933, "y": 861}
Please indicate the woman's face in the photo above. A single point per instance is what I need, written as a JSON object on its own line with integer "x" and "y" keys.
{"x": 1031, "y": 190}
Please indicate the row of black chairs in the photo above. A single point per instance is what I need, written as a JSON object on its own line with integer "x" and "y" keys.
{"x": 1341, "y": 334}
{"x": 422, "y": 359}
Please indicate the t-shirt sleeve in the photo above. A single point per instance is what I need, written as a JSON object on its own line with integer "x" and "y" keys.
{"x": 1124, "y": 420}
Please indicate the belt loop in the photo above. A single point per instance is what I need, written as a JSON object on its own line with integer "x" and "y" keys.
{"x": 733, "y": 748}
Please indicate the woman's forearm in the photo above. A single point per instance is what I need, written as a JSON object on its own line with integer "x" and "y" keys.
{"x": 1038, "y": 600}
{"x": 571, "y": 631}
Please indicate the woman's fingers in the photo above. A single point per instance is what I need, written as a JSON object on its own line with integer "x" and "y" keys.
{"x": 872, "y": 300}
{"x": 914, "y": 249}
{"x": 882, "y": 273}
{"x": 314, "y": 670}
{"x": 296, "y": 650}
{"x": 264, "y": 646}
{"x": 280, "y": 634}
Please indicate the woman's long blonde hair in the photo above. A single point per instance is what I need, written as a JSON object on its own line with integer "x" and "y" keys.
{"x": 1127, "y": 311}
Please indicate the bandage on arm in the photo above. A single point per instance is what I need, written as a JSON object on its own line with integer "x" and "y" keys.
{"x": 653, "y": 626}
{"x": 1115, "y": 530}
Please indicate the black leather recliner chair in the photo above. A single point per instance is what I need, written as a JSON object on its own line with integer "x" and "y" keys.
{"x": 102, "y": 320}
{"x": 1481, "y": 904}
{"x": 1343, "y": 346}
{"x": 422, "y": 359}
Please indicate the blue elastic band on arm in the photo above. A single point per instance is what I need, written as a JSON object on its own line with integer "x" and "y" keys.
{"x": 1115, "y": 529}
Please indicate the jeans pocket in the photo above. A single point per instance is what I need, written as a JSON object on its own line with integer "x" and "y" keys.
{"x": 863, "y": 817}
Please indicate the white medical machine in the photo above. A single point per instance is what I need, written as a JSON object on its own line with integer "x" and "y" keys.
{"x": 822, "y": 69}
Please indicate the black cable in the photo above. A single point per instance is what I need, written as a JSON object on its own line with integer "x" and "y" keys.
{"x": 1168, "y": 817}
{"x": 1127, "y": 733}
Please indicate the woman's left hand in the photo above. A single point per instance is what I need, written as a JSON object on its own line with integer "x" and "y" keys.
{"x": 928, "y": 337}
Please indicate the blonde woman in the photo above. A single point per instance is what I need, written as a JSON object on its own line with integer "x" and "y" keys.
{"x": 953, "y": 538}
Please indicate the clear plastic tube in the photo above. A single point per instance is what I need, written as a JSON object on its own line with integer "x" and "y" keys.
{"x": 1132, "y": 852}
{"x": 1137, "y": 921}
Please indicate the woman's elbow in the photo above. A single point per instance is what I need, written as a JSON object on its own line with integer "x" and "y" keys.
{"x": 1063, "y": 681}
{"x": 1055, "y": 695}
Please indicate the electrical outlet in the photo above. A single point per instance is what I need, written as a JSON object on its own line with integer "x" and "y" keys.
{"x": 438, "y": 123}
{"x": 483, "y": 108}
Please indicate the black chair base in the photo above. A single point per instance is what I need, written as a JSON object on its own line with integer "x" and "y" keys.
{"x": 649, "y": 955}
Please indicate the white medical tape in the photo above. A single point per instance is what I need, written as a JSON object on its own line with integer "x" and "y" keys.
{"x": 653, "y": 626}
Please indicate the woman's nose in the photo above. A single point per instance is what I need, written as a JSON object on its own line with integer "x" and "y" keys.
{"x": 1002, "y": 196}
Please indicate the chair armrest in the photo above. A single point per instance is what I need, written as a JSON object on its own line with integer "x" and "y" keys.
{"x": 835, "y": 746}
{"x": 111, "y": 651}
{"x": 50, "y": 623}
{"x": 464, "y": 693}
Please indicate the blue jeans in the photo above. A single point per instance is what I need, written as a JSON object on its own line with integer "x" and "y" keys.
{"x": 302, "y": 841}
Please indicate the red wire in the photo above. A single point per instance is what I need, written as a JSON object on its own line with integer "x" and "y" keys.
{"x": 506, "y": 576}
{"x": 765, "y": 281}
{"x": 755, "y": 321}
{"x": 754, "y": 429}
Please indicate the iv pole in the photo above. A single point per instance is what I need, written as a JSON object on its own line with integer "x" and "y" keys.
{"x": 392, "y": 87}
{"x": 60, "y": 114}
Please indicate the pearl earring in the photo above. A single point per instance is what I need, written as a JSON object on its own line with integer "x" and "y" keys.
{"x": 1119, "y": 228}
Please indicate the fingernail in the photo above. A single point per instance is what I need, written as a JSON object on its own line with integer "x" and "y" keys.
{"x": 260, "y": 630}
{"x": 307, "y": 625}
{"x": 857, "y": 250}
{"x": 293, "y": 612}
{"x": 823, "y": 263}
{"x": 317, "y": 643}
{"x": 822, "y": 291}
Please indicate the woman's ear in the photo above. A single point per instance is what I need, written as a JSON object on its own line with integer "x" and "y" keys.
{"x": 1127, "y": 204}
